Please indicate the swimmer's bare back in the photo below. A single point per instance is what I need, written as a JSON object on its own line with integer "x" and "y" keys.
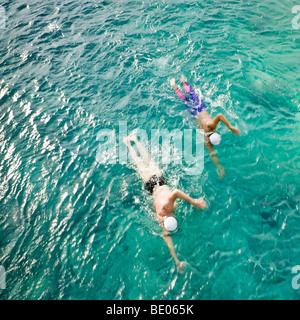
{"x": 164, "y": 201}
{"x": 209, "y": 124}
{"x": 205, "y": 122}
{"x": 164, "y": 205}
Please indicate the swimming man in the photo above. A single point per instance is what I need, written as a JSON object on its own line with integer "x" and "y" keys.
{"x": 163, "y": 198}
{"x": 197, "y": 109}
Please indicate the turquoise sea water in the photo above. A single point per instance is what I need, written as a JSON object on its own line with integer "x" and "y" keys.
{"x": 72, "y": 228}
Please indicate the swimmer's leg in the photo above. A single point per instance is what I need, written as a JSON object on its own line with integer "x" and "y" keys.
{"x": 193, "y": 106}
{"x": 145, "y": 169}
{"x": 198, "y": 104}
{"x": 141, "y": 149}
{"x": 189, "y": 89}
{"x": 177, "y": 91}
{"x": 134, "y": 156}
{"x": 144, "y": 154}
{"x": 147, "y": 157}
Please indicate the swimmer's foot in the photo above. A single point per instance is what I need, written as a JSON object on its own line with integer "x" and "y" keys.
{"x": 172, "y": 83}
{"x": 126, "y": 141}
{"x": 183, "y": 78}
{"x": 181, "y": 265}
{"x": 132, "y": 137}
{"x": 129, "y": 138}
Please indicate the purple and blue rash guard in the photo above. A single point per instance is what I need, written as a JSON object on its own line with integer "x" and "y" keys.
{"x": 194, "y": 104}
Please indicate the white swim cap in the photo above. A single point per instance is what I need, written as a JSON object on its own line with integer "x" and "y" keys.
{"x": 215, "y": 138}
{"x": 170, "y": 224}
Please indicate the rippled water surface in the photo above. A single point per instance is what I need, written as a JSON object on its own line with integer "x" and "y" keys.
{"x": 72, "y": 228}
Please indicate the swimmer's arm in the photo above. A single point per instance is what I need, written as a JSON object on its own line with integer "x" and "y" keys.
{"x": 198, "y": 203}
{"x": 179, "y": 194}
{"x": 214, "y": 158}
{"x": 222, "y": 118}
{"x": 168, "y": 240}
{"x": 212, "y": 153}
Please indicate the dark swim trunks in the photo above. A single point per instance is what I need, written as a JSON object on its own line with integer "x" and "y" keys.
{"x": 154, "y": 181}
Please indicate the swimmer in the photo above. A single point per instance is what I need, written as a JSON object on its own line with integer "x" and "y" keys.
{"x": 163, "y": 198}
{"x": 197, "y": 109}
